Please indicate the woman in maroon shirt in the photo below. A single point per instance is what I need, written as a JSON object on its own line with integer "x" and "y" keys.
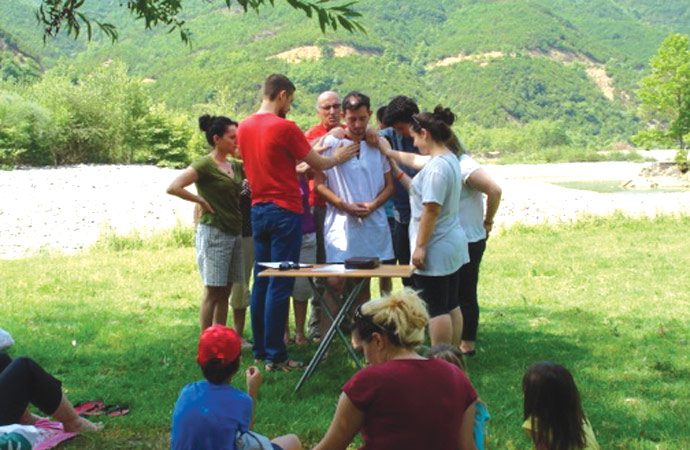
{"x": 402, "y": 400}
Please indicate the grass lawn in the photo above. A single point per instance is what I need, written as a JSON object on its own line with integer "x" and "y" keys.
{"x": 608, "y": 298}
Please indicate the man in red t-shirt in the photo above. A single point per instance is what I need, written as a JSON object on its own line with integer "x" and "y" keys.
{"x": 271, "y": 146}
{"x": 328, "y": 109}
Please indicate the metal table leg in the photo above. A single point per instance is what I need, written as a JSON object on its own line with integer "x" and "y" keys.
{"x": 335, "y": 328}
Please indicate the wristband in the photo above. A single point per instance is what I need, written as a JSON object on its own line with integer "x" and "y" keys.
{"x": 400, "y": 175}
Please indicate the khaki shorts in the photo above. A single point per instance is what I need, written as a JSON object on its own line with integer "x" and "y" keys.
{"x": 302, "y": 290}
{"x": 219, "y": 256}
{"x": 241, "y": 296}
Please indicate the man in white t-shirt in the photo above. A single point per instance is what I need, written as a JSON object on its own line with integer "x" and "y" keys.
{"x": 356, "y": 224}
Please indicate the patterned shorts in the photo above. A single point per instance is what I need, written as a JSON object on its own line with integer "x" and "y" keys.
{"x": 219, "y": 256}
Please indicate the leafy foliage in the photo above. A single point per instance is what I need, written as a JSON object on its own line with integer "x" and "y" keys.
{"x": 105, "y": 117}
{"x": 547, "y": 52}
{"x": 665, "y": 95}
{"x": 56, "y": 15}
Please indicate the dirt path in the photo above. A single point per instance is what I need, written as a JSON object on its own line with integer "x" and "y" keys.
{"x": 66, "y": 208}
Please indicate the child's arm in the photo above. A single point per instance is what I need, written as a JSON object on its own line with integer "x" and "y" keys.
{"x": 253, "y": 384}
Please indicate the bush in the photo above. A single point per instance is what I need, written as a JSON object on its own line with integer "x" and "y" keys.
{"x": 164, "y": 138}
{"x": 104, "y": 117}
{"x": 26, "y": 131}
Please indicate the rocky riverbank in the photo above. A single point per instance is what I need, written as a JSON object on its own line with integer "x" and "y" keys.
{"x": 65, "y": 209}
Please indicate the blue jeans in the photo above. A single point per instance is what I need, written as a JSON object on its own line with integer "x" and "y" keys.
{"x": 277, "y": 236}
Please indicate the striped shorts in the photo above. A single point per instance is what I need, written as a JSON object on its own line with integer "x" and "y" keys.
{"x": 219, "y": 256}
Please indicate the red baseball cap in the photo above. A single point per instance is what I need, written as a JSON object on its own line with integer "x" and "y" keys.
{"x": 218, "y": 342}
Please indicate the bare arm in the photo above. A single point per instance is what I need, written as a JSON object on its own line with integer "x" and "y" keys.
{"x": 427, "y": 223}
{"x": 321, "y": 188}
{"x": 347, "y": 421}
{"x": 254, "y": 380}
{"x": 466, "y": 432}
{"x": 481, "y": 181}
{"x": 399, "y": 175}
{"x": 412, "y": 160}
{"x": 177, "y": 188}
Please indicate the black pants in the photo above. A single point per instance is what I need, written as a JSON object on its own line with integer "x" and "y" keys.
{"x": 469, "y": 278}
{"x": 23, "y": 381}
{"x": 401, "y": 247}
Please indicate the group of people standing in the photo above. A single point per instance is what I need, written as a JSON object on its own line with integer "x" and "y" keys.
{"x": 323, "y": 196}
{"x": 320, "y": 197}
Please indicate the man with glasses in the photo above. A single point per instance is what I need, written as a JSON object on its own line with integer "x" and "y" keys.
{"x": 328, "y": 110}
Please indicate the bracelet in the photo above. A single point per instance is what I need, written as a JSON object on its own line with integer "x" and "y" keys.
{"x": 400, "y": 175}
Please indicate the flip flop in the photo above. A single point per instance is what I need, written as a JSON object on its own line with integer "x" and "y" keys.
{"x": 89, "y": 408}
{"x": 116, "y": 410}
{"x": 285, "y": 366}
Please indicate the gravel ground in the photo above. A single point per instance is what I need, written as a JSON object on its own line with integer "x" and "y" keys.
{"x": 66, "y": 208}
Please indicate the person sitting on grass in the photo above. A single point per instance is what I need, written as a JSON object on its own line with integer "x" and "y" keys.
{"x": 454, "y": 355}
{"x": 210, "y": 414}
{"x": 553, "y": 414}
{"x": 402, "y": 400}
{"x": 23, "y": 381}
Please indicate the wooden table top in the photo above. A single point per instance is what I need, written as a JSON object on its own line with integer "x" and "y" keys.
{"x": 384, "y": 270}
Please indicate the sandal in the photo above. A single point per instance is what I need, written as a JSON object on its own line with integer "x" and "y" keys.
{"x": 89, "y": 408}
{"x": 285, "y": 366}
{"x": 116, "y": 410}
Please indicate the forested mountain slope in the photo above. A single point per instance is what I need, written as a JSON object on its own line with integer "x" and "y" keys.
{"x": 495, "y": 62}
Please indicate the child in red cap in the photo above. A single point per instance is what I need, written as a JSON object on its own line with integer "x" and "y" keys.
{"x": 209, "y": 413}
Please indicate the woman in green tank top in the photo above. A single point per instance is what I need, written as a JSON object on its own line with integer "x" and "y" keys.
{"x": 218, "y": 180}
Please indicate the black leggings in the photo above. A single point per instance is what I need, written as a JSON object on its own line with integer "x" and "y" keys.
{"x": 401, "y": 247}
{"x": 23, "y": 381}
{"x": 469, "y": 278}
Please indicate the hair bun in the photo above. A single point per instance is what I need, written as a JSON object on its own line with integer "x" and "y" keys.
{"x": 205, "y": 122}
{"x": 445, "y": 115}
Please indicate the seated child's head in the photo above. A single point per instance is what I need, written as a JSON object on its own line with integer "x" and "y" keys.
{"x": 552, "y": 403}
{"x": 219, "y": 353}
{"x": 449, "y": 353}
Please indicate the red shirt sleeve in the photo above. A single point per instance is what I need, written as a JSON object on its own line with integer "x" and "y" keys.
{"x": 361, "y": 389}
{"x": 296, "y": 142}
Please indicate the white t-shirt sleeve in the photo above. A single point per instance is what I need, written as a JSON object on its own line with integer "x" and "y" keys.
{"x": 467, "y": 167}
{"x": 435, "y": 186}
{"x": 331, "y": 142}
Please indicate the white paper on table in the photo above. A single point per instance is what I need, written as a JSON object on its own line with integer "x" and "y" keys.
{"x": 335, "y": 268}
{"x": 276, "y": 265}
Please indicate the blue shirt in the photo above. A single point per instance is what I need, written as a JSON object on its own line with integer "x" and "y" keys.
{"x": 207, "y": 416}
{"x": 401, "y": 199}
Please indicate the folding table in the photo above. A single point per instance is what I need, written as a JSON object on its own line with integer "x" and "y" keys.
{"x": 318, "y": 271}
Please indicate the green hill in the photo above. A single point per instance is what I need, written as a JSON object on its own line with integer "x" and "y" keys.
{"x": 502, "y": 63}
